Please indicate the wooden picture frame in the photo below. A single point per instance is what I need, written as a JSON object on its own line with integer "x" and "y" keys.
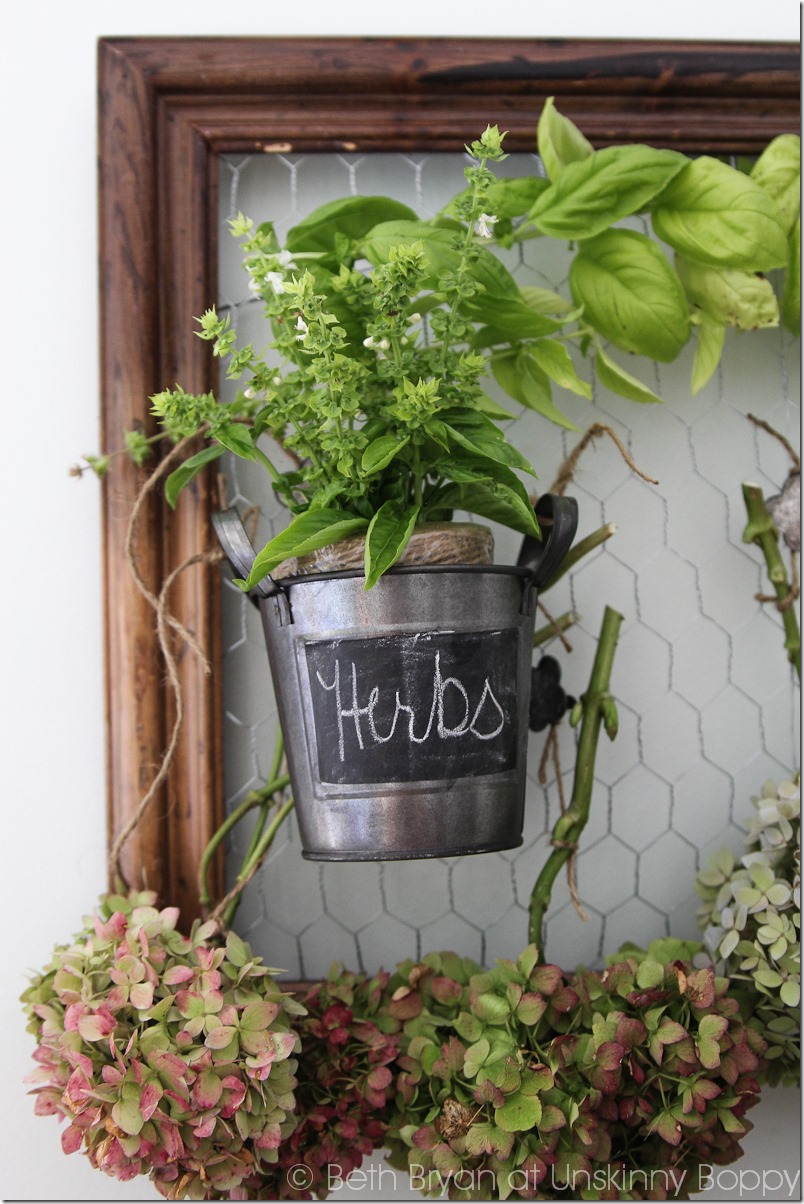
{"x": 167, "y": 109}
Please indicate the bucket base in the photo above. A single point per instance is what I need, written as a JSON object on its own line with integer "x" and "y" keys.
{"x": 406, "y": 854}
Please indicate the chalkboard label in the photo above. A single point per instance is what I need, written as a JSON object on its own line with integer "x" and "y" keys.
{"x": 408, "y": 708}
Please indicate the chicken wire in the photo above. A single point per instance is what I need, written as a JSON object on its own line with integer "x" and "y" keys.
{"x": 708, "y": 705}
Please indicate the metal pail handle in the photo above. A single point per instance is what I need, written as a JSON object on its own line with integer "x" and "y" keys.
{"x": 558, "y": 519}
{"x": 236, "y": 544}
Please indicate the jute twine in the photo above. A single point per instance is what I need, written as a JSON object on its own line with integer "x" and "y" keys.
{"x": 165, "y": 621}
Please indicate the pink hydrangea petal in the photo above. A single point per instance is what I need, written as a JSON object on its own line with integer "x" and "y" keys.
{"x": 177, "y": 974}
{"x": 142, "y": 995}
{"x": 71, "y": 1139}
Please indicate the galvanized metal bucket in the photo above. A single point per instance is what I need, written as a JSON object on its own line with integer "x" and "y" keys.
{"x": 404, "y": 707}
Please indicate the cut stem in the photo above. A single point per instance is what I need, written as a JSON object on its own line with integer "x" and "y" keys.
{"x": 597, "y": 709}
{"x": 256, "y": 798}
{"x": 761, "y": 531}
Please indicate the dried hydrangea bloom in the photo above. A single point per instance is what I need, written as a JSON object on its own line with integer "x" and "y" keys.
{"x": 168, "y": 1055}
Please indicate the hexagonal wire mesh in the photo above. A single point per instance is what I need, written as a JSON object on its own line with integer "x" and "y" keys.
{"x": 708, "y": 706}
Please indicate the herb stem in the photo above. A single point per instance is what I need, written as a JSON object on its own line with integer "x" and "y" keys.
{"x": 762, "y": 531}
{"x": 570, "y": 825}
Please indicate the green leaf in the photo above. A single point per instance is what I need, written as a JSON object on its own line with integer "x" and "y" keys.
{"x": 237, "y": 438}
{"x": 708, "y": 350}
{"x": 721, "y": 217}
{"x": 488, "y": 406}
{"x": 522, "y": 378}
{"x": 560, "y": 142}
{"x": 519, "y": 1113}
{"x": 617, "y": 380}
{"x": 554, "y": 359}
{"x": 311, "y": 530}
{"x": 508, "y": 197}
{"x": 791, "y": 293}
{"x": 543, "y": 301}
{"x": 490, "y": 448}
{"x": 742, "y": 299}
{"x": 778, "y": 171}
{"x": 182, "y": 475}
{"x": 630, "y": 293}
{"x": 444, "y": 254}
{"x": 505, "y": 504}
{"x": 387, "y": 537}
{"x": 592, "y": 193}
{"x": 352, "y": 217}
{"x": 380, "y": 452}
{"x": 508, "y": 320}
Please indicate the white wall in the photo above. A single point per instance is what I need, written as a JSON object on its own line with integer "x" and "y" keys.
{"x": 52, "y": 717}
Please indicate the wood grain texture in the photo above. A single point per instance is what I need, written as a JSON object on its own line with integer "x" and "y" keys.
{"x": 167, "y": 108}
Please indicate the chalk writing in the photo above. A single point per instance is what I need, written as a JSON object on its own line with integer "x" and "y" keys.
{"x": 402, "y": 708}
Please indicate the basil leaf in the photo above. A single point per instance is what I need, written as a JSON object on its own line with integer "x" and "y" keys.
{"x": 509, "y": 320}
{"x": 501, "y": 503}
{"x": 721, "y": 217}
{"x": 590, "y": 194}
{"x": 630, "y": 294}
{"x": 617, "y": 380}
{"x": 380, "y": 452}
{"x": 237, "y": 438}
{"x": 778, "y": 171}
{"x": 543, "y": 301}
{"x": 488, "y": 406}
{"x": 352, "y": 217}
{"x": 506, "y": 198}
{"x": 708, "y": 350}
{"x": 182, "y": 475}
{"x": 442, "y": 253}
{"x": 309, "y": 531}
{"x": 791, "y": 294}
{"x": 387, "y": 537}
{"x": 522, "y": 378}
{"x": 560, "y": 142}
{"x": 490, "y": 448}
{"x": 738, "y": 298}
{"x": 554, "y": 359}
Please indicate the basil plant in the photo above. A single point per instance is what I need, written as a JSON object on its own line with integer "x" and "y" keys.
{"x": 385, "y": 328}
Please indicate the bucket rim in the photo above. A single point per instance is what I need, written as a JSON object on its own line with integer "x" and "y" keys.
{"x": 406, "y": 570}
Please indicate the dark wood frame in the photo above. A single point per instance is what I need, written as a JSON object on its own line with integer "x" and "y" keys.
{"x": 167, "y": 109}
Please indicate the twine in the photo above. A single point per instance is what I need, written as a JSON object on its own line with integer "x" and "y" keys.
{"x": 163, "y": 621}
{"x": 791, "y": 451}
{"x": 554, "y": 623}
{"x": 174, "y": 454}
{"x": 567, "y": 469}
{"x": 216, "y": 916}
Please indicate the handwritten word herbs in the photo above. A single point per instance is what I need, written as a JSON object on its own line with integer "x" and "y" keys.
{"x": 415, "y": 707}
